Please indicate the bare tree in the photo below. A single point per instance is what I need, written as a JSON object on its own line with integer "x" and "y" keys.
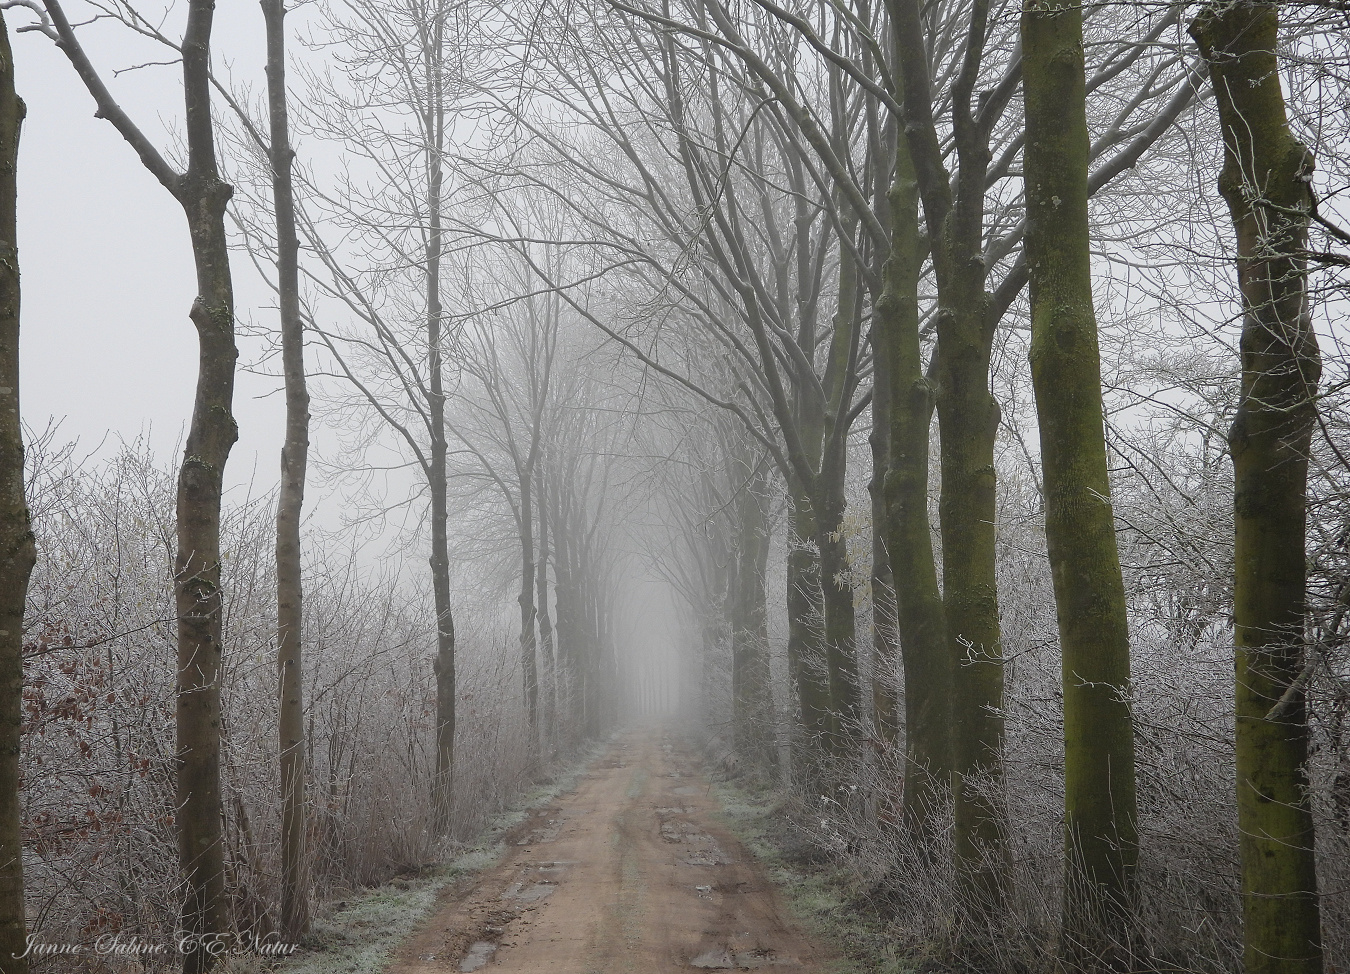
{"x": 409, "y": 55}
{"x": 197, "y": 571}
{"x": 942, "y": 56}
{"x": 1101, "y": 833}
{"x": 765, "y": 250}
{"x": 1265, "y": 183}
{"x": 291, "y": 497}
{"x": 17, "y": 551}
{"x": 501, "y": 418}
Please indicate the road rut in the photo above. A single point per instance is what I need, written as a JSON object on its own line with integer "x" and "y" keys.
{"x": 631, "y": 872}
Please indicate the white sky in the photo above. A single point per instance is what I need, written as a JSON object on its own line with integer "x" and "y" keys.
{"x": 106, "y": 266}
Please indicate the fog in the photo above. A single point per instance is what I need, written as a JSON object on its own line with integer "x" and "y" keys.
{"x": 688, "y": 397}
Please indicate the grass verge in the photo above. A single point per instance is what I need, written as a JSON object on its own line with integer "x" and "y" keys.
{"x": 822, "y": 897}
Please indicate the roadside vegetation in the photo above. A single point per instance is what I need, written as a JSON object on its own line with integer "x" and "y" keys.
{"x": 944, "y": 405}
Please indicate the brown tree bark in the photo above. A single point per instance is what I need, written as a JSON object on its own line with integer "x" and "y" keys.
{"x": 291, "y": 497}
{"x": 212, "y": 431}
{"x": 433, "y": 128}
{"x": 17, "y": 551}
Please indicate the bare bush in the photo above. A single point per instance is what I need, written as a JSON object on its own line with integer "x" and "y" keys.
{"x": 98, "y": 738}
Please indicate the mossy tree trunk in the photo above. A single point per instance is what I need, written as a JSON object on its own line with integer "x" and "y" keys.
{"x": 752, "y": 708}
{"x": 291, "y": 497}
{"x": 807, "y": 655}
{"x": 1265, "y": 181}
{"x": 968, "y": 419}
{"x": 886, "y": 688}
{"x": 806, "y": 649}
{"x": 17, "y": 551}
{"x": 1100, "y": 808}
{"x": 828, "y": 501}
{"x": 920, "y": 616}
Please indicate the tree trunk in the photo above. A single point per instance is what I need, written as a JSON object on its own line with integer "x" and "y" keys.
{"x": 204, "y": 196}
{"x": 806, "y": 656}
{"x": 885, "y": 659}
{"x": 17, "y": 551}
{"x": 732, "y": 609}
{"x": 1100, "y": 810}
{"x": 886, "y": 685}
{"x": 550, "y": 680}
{"x": 752, "y": 706}
{"x": 528, "y": 666}
{"x": 968, "y": 418}
{"x": 840, "y": 615}
{"x": 920, "y": 615}
{"x": 442, "y": 791}
{"x": 1265, "y": 183}
{"x": 968, "y": 422}
{"x": 565, "y": 631}
{"x": 433, "y": 122}
{"x": 590, "y": 642}
{"x": 828, "y": 502}
{"x": 290, "y": 500}
{"x": 609, "y": 655}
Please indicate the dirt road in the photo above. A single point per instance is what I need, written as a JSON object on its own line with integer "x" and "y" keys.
{"x": 629, "y": 873}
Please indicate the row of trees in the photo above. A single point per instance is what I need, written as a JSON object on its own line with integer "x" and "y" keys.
{"x": 551, "y": 252}
{"x": 752, "y": 167}
{"x": 220, "y": 883}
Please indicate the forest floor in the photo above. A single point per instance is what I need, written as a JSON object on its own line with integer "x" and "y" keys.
{"x": 633, "y": 871}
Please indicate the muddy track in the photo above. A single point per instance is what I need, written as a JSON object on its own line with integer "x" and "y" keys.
{"x": 629, "y": 873}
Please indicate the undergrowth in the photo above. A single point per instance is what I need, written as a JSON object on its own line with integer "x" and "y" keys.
{"x": 823, "y": 896}
{"x": 359, "y": 933}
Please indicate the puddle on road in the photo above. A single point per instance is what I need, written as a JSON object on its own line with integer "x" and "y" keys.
{"x": 552, "y": 870}
{"x": 717, "y": 959}
{"x": 478, "y": 956}
{"x": 682, "y": 832}
{"x": 533, "y": 893}
{"x": 684, "y": 790}
{"x": 706, "y": 851}
{"x": 547, "y": 832}
{"x": 722, "y": 959}
{"x": 537, "y": 882}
